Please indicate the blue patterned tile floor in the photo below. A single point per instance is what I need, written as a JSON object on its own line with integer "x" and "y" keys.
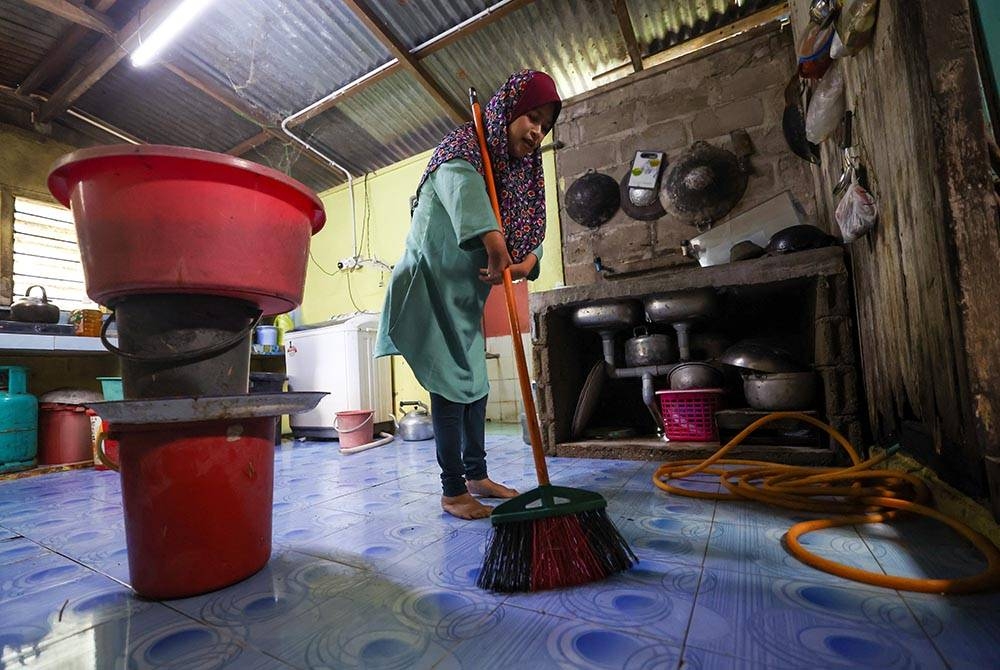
{"x": 366, "y": 571}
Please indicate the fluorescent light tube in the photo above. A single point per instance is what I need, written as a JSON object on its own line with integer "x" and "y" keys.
{"x": 168, "y": 29}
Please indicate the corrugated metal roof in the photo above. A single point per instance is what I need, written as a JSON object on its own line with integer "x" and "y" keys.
{"x": 660, "y": 25}
{"x": 163, "y": 109}
{"x": 572, "y": 41}
{"x": 280, "y": 56}
{"x": 385, "y": 123}
{"x": 416, "y": 22}
{"x": 26, "y": 35}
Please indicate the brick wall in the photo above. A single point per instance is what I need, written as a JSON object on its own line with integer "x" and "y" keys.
{"x": 739, "y": 86}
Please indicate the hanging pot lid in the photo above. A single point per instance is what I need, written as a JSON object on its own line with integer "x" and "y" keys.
{"x": 592, "y": 199}
{"x": 641, "y": 204}
{"x": 793, "y": 124}
{"x": 703, "y": 185}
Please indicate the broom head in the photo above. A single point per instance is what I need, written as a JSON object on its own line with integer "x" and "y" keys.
{"x": 550, "y": 537}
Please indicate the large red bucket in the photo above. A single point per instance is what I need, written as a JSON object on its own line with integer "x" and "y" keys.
{"x": 162, "y": 219}
{"x": 197, "y": 499}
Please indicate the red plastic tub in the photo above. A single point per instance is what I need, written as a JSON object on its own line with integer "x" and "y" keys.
{"x": 197, "y": 498}
{"x": 689, "y": 416}
{"x": 163, "y": 219}
{"x": 63, "y": 434}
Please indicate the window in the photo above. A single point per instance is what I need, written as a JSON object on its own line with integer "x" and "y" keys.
{"x": 46, "y": 253}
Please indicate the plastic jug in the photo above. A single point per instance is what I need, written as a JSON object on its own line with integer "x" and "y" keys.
{"x": 18, "y": 420}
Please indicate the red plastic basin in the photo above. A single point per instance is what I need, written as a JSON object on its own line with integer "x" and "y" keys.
{"x": 164, "y": 219}
{"x": 197, "y": 500}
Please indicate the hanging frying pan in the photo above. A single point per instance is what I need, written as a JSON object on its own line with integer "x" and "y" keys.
{"x": 793, "y": 124}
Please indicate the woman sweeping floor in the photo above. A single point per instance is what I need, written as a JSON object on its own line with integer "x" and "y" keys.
{"x": 453, "y": 256}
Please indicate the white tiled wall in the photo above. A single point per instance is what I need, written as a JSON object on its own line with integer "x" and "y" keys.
{"x": 504, "y": 404}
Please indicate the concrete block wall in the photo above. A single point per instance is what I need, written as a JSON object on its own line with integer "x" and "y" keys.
{"x": 504, "y": 403}
{"x": 739, "y": 86}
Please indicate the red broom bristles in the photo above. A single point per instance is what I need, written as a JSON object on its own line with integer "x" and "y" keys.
{"x": 561, "y": 554}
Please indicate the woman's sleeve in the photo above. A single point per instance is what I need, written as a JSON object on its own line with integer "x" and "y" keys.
{"x": 533, "y": 275}
{"x": 462, "y": 192}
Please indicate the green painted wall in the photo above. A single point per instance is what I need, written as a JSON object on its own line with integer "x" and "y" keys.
{"x": 387, "y": 211}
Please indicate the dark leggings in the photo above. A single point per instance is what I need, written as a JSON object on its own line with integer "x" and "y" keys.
{"x": 460, "y": 434}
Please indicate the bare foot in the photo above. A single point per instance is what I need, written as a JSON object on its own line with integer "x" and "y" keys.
{"x": 487, "y": 488}
{"x": 465, "y": 507}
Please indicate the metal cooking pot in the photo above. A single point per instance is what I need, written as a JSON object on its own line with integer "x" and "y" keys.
{"x": 781, "y": 391}
{"x": 34, "y": 309}
{"x": 649, "y": 349}
{"x": 592, "y": 199}
{"x": 695, "y": 376}
{"x": 415, "y": 425}
{"x": 799, "y": 238}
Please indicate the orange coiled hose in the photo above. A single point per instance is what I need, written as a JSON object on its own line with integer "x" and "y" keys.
{"x": 857, "y": 494}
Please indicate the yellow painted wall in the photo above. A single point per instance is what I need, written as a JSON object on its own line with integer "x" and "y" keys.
{"x": 383, "y": 220}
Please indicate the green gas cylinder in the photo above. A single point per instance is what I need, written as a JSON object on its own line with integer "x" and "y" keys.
{"x": 18, "y": 420}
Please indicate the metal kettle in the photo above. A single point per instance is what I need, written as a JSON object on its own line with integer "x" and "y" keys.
{"x": 416, "y": 424}
{"x": 34, "y": 309}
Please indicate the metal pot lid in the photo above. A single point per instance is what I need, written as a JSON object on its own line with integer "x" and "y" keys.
{"x": 759, "y": 356}
{"x": 641, "y": 204}
{"x": 205, "y": 408}
{"x": 592, "y": 199}
{"x": 703, "y": 185}
{"x": 589, "y": 395}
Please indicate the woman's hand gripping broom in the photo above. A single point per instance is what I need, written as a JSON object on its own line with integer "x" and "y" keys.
{"x": 551, "y": 536}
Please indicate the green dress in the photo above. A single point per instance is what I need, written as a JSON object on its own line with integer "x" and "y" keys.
{"x": 434, "y": 304}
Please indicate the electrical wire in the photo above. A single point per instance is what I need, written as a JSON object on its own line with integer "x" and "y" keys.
{"x": 858, "y": 494}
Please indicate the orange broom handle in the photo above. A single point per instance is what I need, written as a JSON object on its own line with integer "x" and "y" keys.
{"x": 534, "y": 432}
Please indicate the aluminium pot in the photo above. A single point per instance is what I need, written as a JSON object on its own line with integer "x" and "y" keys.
{"x": 647, "y": 348}
{"x": 781, "y": 390}
{"x": 694, "y": 375}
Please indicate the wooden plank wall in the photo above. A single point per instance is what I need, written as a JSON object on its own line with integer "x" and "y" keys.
{"x": 926, "y": 279}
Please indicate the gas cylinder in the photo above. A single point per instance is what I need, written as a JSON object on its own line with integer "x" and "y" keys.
{"x": 18, "y": 420}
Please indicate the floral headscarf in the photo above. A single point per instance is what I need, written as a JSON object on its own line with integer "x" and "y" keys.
{"x": 519, "y": 181}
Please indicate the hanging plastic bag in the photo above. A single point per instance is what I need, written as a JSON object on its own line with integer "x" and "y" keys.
{"x": 837, "y": 48}
{"x": 857, "y": 212}
{"x": 814, "y": 51}
{"x": 827, "y": 106}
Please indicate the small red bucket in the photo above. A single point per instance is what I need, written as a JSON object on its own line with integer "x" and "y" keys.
{"x": 354, "y": 427}
{"x": 197, "y": 499}
{"x": 689, "y": 416}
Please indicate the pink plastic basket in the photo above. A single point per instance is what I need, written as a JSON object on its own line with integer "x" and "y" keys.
{"x": 689, "y": 416}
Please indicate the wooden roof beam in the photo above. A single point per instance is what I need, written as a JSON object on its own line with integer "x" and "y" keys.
{"x": 108, "y": 52}
{"x": 77, "y": 13}
{"x": 406, "y": 59}
{"x": 59, "y": 56}
{"x": 628, "y": 33}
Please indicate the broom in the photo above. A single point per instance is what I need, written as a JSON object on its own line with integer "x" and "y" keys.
{"x": 551, "y": 536}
